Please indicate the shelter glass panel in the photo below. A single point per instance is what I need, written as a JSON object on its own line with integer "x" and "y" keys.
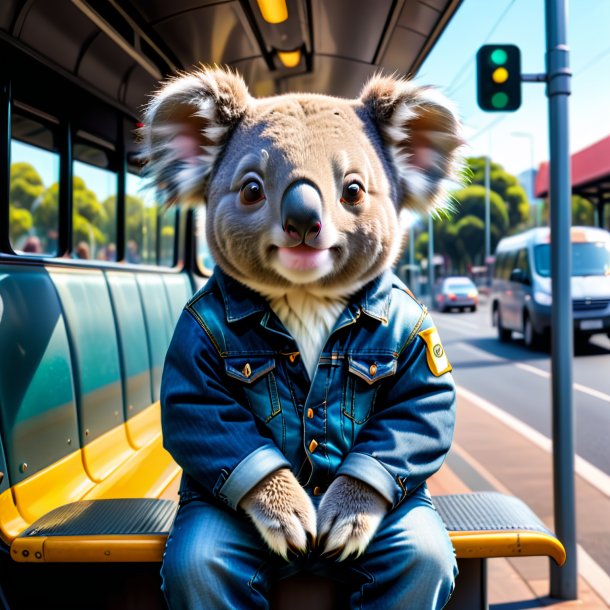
{"x": 94, "y": 200}
{"x": 34, "y": 188}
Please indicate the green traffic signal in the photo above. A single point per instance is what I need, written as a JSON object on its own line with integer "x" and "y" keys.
{"x": 498, "y": 57}
{"x": 499, "y": 77}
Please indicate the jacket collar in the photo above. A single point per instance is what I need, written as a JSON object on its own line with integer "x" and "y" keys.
{"x": 242, "y": 302}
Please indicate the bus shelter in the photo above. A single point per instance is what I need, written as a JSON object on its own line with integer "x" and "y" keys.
{"x": 590, "y": 170}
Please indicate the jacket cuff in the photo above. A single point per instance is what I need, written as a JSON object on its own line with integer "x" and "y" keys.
{"x": 370, "y": 471}
{"x": 250, "y": 471}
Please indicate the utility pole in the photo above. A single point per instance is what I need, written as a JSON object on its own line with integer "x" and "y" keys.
{"x": 487, "y": 209}
{"x": 564, "y": 581}
{"x": 412, "y": 282}
{"x": 430, "y": 260}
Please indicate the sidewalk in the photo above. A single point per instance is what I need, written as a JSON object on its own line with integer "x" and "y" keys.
{"x": 484, "y": 445}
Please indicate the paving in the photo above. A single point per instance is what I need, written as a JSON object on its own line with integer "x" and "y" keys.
{"x": 489, "y": 455}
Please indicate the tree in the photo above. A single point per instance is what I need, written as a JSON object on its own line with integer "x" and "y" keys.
{"x": 470, "y": 231}
{"x": 507, "y": 187}
{"x": 583, "y": 212}
{"x": 20, "y": 223}
{"x": 26, "y": 185}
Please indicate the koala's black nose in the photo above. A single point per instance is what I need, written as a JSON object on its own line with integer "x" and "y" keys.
{"x": 301, "y": 211}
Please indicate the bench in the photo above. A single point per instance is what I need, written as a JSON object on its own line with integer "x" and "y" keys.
{"x": 81, "y": 451}
{"x": 81, "y": 357}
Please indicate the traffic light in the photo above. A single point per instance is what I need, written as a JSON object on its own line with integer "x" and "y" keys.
{"x": 499, "y": 77}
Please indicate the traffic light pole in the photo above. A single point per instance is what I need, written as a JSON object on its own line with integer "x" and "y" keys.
{"x": 564, "y": 581}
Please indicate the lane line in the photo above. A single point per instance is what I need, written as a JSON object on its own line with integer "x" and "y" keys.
{"x": 534, "y": 370}
{"x": 588, "y": 568}
{"x": 587, "y": 471}
{"x": 593, "y": 573}
{"x": 577, "y": 386}
{"x": 436, "y": 317}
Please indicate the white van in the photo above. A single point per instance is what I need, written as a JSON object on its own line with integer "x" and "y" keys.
{"x": 521, "y": 288}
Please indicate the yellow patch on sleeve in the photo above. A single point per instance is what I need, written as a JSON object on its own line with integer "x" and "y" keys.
{"x": 435, "y": 353}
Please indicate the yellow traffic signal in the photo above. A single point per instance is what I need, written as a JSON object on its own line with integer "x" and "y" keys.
{"x": 499, "y": 77}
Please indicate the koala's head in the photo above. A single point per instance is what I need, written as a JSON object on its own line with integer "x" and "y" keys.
{"x": 301, "y": 189}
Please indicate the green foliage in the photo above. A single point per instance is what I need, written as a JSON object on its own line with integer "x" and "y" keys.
{"x": 470, "y": 231}
{"x": 461, "y": 236}
{"x": 583, "y": 212}
{"x": 20, "y": 222}
{"x": 35, "y": 209}
{"x": 46, "y": 213}
{"x": 26, "y": 186}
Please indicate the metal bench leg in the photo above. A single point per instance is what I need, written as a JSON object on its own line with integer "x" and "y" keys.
{"x": 471, "y": 586}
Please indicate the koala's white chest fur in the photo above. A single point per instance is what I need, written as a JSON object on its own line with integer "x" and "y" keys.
{"x": 309, "y": 319}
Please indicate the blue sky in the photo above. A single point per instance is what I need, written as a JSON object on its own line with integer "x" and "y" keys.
{"x": 451, "y": 66}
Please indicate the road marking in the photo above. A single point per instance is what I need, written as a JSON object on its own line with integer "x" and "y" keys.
{"x": 457, "y": 322}
{"x": 590, "y": 473}
{"x": 577, "y": 386}
{"x": 588, "y": 568}
{"x": 593, "y": 573}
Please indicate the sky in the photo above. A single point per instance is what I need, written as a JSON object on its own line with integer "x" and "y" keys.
{"x": 451, "y": 67}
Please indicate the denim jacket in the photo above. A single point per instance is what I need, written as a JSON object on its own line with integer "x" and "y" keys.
{"x": 237, "y": 402}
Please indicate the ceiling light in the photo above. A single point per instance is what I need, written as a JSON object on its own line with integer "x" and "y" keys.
{"x": 273, "y": 11}
{"x": 290, "y": 59}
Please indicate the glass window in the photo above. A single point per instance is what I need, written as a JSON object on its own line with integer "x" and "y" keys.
{"x": 498, "y": 265}
{"x": 34, "y": 188}
{"x": 587, "y": 259}
{"x": 168, "y": 218}
{"x": 523, "y": 262}
{"x": 140, "y": 222}
{"x": 94, "y": 197}
{"x": 205, "y": 262}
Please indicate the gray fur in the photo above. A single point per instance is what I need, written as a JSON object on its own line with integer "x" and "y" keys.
{"x": 206, "y": 137}
{"x": 348, "y": 517}
{"x": 282, "y": 512}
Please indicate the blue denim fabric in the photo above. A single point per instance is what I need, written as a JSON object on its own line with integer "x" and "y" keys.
{"x": 215, "y": 560}
{"x": 237, "y": 402}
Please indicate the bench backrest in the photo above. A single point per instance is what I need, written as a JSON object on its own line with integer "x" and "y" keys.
{"x": 81, "y": 354}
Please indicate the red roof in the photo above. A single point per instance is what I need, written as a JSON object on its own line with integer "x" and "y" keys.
{"x": 588, "y": 165}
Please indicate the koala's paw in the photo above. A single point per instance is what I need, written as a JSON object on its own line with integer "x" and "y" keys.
{"x": 282, "y": 512}
{"x": 348, "y": 517}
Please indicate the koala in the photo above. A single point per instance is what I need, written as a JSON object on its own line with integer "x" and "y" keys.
{"x": 306, "y": 200}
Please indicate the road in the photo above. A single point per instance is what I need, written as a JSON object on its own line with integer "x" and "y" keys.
{"x": 513, "y": 384}
{"x": 518, "y": 380}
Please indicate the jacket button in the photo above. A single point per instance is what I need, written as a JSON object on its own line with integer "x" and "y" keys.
{"x": 247, "y": 370}
{"x": 293, "y": 357}
{"x": 310, "y": 413}
{"x": 373, "y": 369}
{"x": 317, "y": 491}
{"x": 313, "y": 445}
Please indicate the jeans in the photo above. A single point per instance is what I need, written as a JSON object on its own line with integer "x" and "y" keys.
{"x": 215, "y": 559}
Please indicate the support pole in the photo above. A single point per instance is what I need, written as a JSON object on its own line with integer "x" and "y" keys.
{"x": 430, "y": 260}
{"x": 487, "y": 209}
{"x": 412, "y": 286}
{"x": 564, "y": 581}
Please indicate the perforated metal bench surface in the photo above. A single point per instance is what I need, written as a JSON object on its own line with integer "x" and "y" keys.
{"x": 130, "y": 530}
{"x": 491, "y": 524}
{"x": 484, "y": 524}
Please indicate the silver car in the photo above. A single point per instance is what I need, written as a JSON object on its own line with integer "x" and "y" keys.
{"x": 457, "y": 292}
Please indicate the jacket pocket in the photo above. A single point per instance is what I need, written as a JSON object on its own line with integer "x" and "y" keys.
{"x": 256, "y": 377}
{"x": 362, "y": 384}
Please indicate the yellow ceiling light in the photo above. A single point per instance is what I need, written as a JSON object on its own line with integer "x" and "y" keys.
{"x": 273, "y": 11}
{"x": 290, "y": 59}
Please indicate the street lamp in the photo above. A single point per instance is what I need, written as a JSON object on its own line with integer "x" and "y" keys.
{"x": 532, "y": 174}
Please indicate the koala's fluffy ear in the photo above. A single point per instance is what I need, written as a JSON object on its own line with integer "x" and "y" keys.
{"x": 186, "y": 125}
{"x": 422, "y": 134}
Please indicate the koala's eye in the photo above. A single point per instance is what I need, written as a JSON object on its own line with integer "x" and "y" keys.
{"x": 353, "y": 193}
{"x": 252, "y": 192}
